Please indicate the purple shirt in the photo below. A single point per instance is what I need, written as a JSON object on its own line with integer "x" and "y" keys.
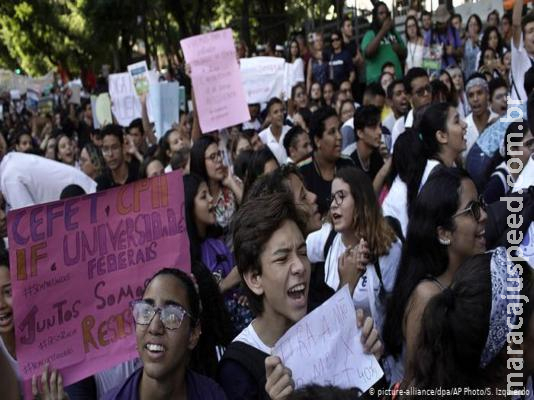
{"x": 450, "y": 38}
{"x": 199, "y": 387}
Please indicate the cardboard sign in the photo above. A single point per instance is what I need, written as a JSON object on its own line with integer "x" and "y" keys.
{"x": 139, "y": 75}
{"x": 76, "y": 265}
{"x": 263, "y": 78}
{"x": 164, "y": 99}
{"x": 324, "y": 348}
{"x": 219, "y": 95}
{"x": 125, "y": 104}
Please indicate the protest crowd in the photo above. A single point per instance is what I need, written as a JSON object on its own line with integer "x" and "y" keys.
{"x": 394, "y": 169}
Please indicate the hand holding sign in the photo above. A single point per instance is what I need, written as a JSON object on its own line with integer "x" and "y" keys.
{"x": 49, "y": 389}
{"x": 325, "y": 347}
{"x": 279, "y": 382}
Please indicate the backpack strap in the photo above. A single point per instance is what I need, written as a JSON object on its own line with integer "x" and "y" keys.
{"x": 502, "y": 174}
{"x": 329, "y": 242}
{"x": 251, "y": 359}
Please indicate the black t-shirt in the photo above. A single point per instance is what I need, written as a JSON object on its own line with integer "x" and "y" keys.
{"x": 374, "y": 166}
{"x": 316, "y": 184}
{"x": 340, "y": 66}
{"x": 105, "y": 181}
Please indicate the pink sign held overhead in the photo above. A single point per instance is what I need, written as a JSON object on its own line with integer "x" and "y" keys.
{"x": 77, "y": 264}
{"x": 219, "y": 94}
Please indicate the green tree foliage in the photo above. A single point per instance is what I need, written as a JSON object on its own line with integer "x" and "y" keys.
{"x": 39, "y": 35}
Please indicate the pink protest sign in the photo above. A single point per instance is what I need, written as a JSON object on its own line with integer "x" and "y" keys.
{"x": 77, "y": 264}
{"x": 219, "y": 94}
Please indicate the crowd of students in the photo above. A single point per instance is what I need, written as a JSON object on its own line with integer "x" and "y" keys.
{"x": 391, "y": 188}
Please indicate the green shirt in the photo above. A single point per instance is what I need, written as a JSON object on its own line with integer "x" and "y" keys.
{"x": 385, "y": 53}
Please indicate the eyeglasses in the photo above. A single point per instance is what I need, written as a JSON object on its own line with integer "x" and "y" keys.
{"x": 337, "y": 198}
{"x": 171, "y": 316}
{"x": 335, "y": 39}
{"x": 475, "y": 208}
{"x": 214, "y": 156}
{"x": 424, "y": 90}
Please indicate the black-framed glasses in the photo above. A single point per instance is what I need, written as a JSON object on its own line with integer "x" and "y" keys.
{"x": 170, "y": 315}
{"x": 335, "y": 39}
{"x": 427, "y": 89}
{"x": 214, "y": 156}
{"x": 337, "y": 198}
{"x": 475, "y": 208}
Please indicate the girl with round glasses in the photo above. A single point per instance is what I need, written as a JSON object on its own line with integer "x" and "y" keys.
{"x": 167, "y": 330}
{"x": 357, "y": 226}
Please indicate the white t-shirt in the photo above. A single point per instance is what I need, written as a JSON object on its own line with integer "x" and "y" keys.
{"x": 521, "y": 63}
{"x": 472, "y": 132}
{"x": 277, "y": 147}
{"x": 414, "y": 58}
{"x": 396, "y": 202}
{"x": 366, "y": 294}
{"x": 400, "y": 126}
{"x": 250, "y": 337}
{"x": 27, "y": 179}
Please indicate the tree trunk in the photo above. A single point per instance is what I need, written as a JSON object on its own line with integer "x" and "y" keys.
{"x": 245, "y": 24}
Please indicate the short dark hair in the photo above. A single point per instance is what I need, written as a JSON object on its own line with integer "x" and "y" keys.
{"x": 527, "y": 19}
{"x": 515, "y": 133}
{"x": 291, "y": 137}
{"x": 136, "y": 123}
{"x": 317, "y": 122}
{"x": 253, "y": 225}
{"x": 495, "y": 84}
{"x": 387, "y": 64}
{"x": 113, "y": 130}
{"x": 426, "y": 13}
{"x": 71, "y": 191}
{"x": 374, "y": 89}
{"x": 412, "y": 75}
{"x": 272, "y": 102}
{"x": 366, "y": 116}
{"x": 456, "y": 16}
{"x": 391, "y": 87}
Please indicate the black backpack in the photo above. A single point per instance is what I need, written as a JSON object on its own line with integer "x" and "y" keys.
{"x": 253, "y": 361}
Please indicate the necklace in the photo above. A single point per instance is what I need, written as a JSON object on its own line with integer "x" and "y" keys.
{"x": 365, "y": 166}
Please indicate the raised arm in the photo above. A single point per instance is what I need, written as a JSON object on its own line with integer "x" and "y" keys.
{"x": 149, "y": 132}
{"x": 516, "y": 22}
{"x": 372, "y": 48}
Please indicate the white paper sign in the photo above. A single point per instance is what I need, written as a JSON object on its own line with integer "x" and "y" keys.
{"x": 125, "y": 104}
{"x": 324, "y": 348}
{"x": 140, "y": 79}
{"x": 263, "y": 78}
{"x": 15, "y": 94}
{"x": 75, "y": 97}
{"x": 164, "y": 99}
